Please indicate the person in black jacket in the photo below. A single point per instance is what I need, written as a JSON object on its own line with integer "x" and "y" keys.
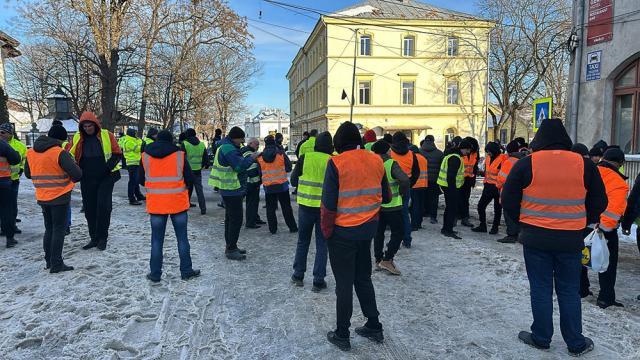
{"x": 553, "y": 255}
{"x": 469, "y": 183}
{"x": 8, "y": 157}
{"x": 400, "y": 147}
{"x": 633, "y": 212}
{"x": 490, "y": 191}
{"x": 451, "y": 190}
{"x": 253, "y": 187}
{"x": 191, "y": 138}
{"x": 434, "y": 156}
{"x": 305, "y": 137}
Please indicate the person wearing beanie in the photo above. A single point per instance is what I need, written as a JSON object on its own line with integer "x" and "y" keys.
{"x": 419, "y": 190}
{"x": 305, "y": 137}
{"x": 7, "y": 133}
{"x": 152, "y": 133}
{"x": 54, "y": 174}
{"x": 514, "y": 154}
{"x": 229, "y": 175}
{"x": 490, "y": 191}
{"x": 369, "y": 139}
{"x": 198, "y": 159}
{"x": 309, "y": 144}
{"x": 273, "y": 166}
{"x": 97, "y": 153}
{"x": 434, "y": 157}
{"x": 388, "y": 138}
{"x": 451, "y": 179}
{"x": 470, "y": 163}
{"x": 252, "y": 197}
{"x": 349, "y": 214}
{"x": 8, "y": 159}
{"x": 409, "y": 163}
{"x": 554, "y": 207}
{"x": 166, "y": 174}
{"x": 391, "y": 213}
{"x": 595, "y": 154}
{"x": 308, "y": 177}
{"x": 581, "y": 149}
{"x": 132, "y": 150}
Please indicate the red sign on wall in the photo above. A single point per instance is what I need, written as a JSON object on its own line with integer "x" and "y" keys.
{"x": 600, "y": 22}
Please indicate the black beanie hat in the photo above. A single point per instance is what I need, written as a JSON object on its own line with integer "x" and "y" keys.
{"x": 596, "y": 151}
{"x": 399, "y": 138}
{"x": 614, "y": 154}
{"x": 347, "y": 134}
{"x": 388, "y": 138}
{"x": 152, "y": 132}
{"x": 190, "y": 133}
{"x": 236, "y": 133}
{"x": 269, "y": 140}
{"x": 58, "y": 132}
{"x": 513, "y": 146}
{"x": 492, "y": 147}
{"x": 165, "y": 135}
{"x": 429, "y": 138}
{"x": 380, "y": 147}
{"x": 581, "y": 149}
{"x": 464, "y": 144}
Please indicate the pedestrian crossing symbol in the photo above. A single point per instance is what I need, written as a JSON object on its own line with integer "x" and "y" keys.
{"x": 541, "y": 110}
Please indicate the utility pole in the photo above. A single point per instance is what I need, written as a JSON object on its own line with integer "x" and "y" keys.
{"x": 353, "y": 78}
{"x": 577, "y": 68}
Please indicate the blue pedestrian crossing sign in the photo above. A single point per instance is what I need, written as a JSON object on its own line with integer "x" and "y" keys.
{"x": 541, "y": 110}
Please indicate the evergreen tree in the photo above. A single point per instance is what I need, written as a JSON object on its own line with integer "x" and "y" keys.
{"x": 4, "y": 111}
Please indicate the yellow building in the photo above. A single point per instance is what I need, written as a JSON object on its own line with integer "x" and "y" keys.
{"x": 418, "y": 69}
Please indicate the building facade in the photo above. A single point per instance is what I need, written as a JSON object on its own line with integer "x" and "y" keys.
{"x": 418, "y": 69}
{"x": 8, "y": 49}
{"x": 268, "y": 122}
{"x": 604, "y": 91}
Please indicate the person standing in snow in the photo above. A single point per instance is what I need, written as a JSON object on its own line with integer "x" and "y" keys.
{"x": 198, "y": 160}
{"x": 8, "y": 157}
{"x": 554, "y": 207}
{"x": 434, "y": 157}
{"x": 451, "y": 180}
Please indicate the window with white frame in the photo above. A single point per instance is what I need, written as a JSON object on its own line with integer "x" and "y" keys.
{"x": 408, "y": 92}
{"x": 453, "y": 45}
{"x": 364, "y": 93}
{"x": 452, "y": 92}
{"x": 408, "y": 46}
{"x": 365, "y": 45}
{"x": 285, "y": 131}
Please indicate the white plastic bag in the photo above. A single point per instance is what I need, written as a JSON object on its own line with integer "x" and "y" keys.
{"x": 597, "y": 251}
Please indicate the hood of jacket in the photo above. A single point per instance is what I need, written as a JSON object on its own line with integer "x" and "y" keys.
{"x": 269, "y": 153}
{"x": 493, "y": 149}
{"x": 400, "y": 148}
{"x": 246, "y": 149}
{"x": 551, "y": 136}
{"x": 605, "y": 164}
{"x": 44, "y": 143}
{"x": 193, "y": 140}
{"x": 160, "y": 149}
{"x": 324, "y": 143}
{"x": 89, "y": 118}
{"x": 131, "y": 132}
{"x": 429, "y": 146}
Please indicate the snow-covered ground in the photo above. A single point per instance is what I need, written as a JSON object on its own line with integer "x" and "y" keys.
{"x": 463, "y": 299}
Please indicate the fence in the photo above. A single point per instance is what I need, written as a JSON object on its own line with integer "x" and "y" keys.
{"x": 632, "y": 168}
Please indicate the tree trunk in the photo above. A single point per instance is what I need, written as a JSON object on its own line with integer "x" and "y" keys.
{"x": 109, "y": 81}
{"x": 145, "y": 91}
{"x": 513, "y": 114}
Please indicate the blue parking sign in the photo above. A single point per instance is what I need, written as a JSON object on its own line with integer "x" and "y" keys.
{"x": 541, "y": 110}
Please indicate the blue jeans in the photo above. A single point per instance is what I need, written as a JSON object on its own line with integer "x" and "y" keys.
{"x": 544, "y": 268}
{"x": 405, "y": 217}
{"x": 158, "y": 228}
{"x": 307, "y": 219}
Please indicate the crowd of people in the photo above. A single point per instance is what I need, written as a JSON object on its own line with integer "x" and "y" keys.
{"x": 350, "y": 189}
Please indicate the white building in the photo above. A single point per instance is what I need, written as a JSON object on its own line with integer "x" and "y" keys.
{"x": 8, "y": 49}
{"x": 268, "y": 122}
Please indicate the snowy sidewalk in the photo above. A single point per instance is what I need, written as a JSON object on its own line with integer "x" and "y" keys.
{"x": 465, "y": 299}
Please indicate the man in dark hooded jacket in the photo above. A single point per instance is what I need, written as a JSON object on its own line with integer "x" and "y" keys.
{"x": 534, "y": 193}
{"x": 490, "y": 191}
{"x": 513, "y": 227}
{"x": 471, "y": 159}
{"x": 253, "y": 187}
{"x": 8, "y": 157}
{"x": 198, "y": 160}
{"x": 434, "y": 158}
{"x": 409, "y": 163}
{"x": 274, "y": 165}
{"x": 451, "y": 180}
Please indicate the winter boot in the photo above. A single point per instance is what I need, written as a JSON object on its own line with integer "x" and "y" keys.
{"x": 587, "y": 348}
{"x": 466, "y": 222}
{"x": 494, "y": 230}
{"x": 60, "y": 268}
{"x": 450, "y": 234}
{"x": 526, "y": 337}
{"x": 319, "y": 286}
{"x": 390, "y": 267}
{"x": 297, "y": 281}
{"x": 90, "y": 245}
{"x": 371, "y": 334}
{"x": 193, "y": 274}
{"x": 235, "y": 255}
{"x": 482, "y": 228}
{"x": 342, "y": 343}
{"x": 508, "y": 240}
{"x": 11, "y": 242}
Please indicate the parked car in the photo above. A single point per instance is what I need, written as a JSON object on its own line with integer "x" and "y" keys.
{"x": 292, "y": 156}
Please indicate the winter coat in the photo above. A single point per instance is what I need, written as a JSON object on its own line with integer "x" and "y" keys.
{"x": 404, "y": 183}
{"x": 13, "y": 158}
{"x": 230, "y": 155}
{"x": 89, "y": 154}
{"x": 453, "y": 167}
{"x": 403, "y": 149}
{"x": 633, "y": 205}
{"x": 161, "y": 149}
{"x": 205, "y": 155}
{"x": 269, "y": 155}
{"x": 434, "y": 160}
{"x": 324, "y": 144}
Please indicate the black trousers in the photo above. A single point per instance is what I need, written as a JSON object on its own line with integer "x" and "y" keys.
{"x": 197, "y": 183}
{"x": 351, "y": 264}
{"x": 513, "y": 227}
{"x": 253, "y": 204}
{"x": 608, "y": 278}
{"x": 133, "y": 187}
{"x": 15, "y": 186}
{"x": 284, "y": 199}
{"x": 55, "y": 224}
{"x": 490, "y": 193}
{"x": 6, "y": 212}
{"x": 394, "y": 220}
{"x": 452, "y": 201}
{"x": 463, "y": 197}
{"x": 97, "y": 203}
{"x": 432, "y": 199}
{"x": 232, "y": 220}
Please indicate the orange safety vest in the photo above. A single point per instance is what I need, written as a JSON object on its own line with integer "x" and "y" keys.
{"x": 405, "y": 161}
{"x": 5, "y": 168}
{"x": 492, "y": 170}
{"x": 555, "y": 199}
{"x": 616, "y": 188}
{"x": 359, "y": 191}
{"x": 423, "y": 180}
{"x": 164, "y": 181}
{"x": 273, "y": 173}
{"x": 469, "y": 164}
{"x": 49, "y": 179}
{"x": 505, "y": 170}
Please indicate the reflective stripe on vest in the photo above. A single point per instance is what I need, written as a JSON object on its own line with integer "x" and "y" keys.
{"x": 405, "y": 161}
{"x": 555, "y": 199}
{"x": 5, "y": 168}
{"x": 359, "y": 189}
{"x": 164, "y": 181}
{"x": 617, "y": 190}
{"x": 253, "y": 168}
{"x": 469, "y": 164}
{"x": 49, "y": 179}
{"x": 492, "y": 169}
{"x": 194, "y": 154}
{"x": 273, "y": 173}
{"x": 423, "y": 179}
{"x": 393, "y": 184}
{"x": 312, "y": 178}
{"x": 444, "y": 168}
{"x": 105, "y": 140}
{"x": 223, "y": 177}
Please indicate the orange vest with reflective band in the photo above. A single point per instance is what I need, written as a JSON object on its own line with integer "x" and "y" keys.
{"x": 273, "y": 173}
{"x": 469, "y": 163}
{"x": 491, "y": 171}
{"x": 5, "y": 168}
{"x": 49, "y": 179}
{"x": 555, "y": 199}
{"x": 616, "y": 188}
{"x": 423, "y": 180}
{"x": 164, "y": 181}
{"x": 405, "y": 161}
{"x": 505, "y": 169}
{"x": 360, "y": 173}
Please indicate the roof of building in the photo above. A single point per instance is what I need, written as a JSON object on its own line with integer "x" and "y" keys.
{"x": 269, "y": 115}
{"x": 10, "y": 44}
{"x": 401, "y": 9}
